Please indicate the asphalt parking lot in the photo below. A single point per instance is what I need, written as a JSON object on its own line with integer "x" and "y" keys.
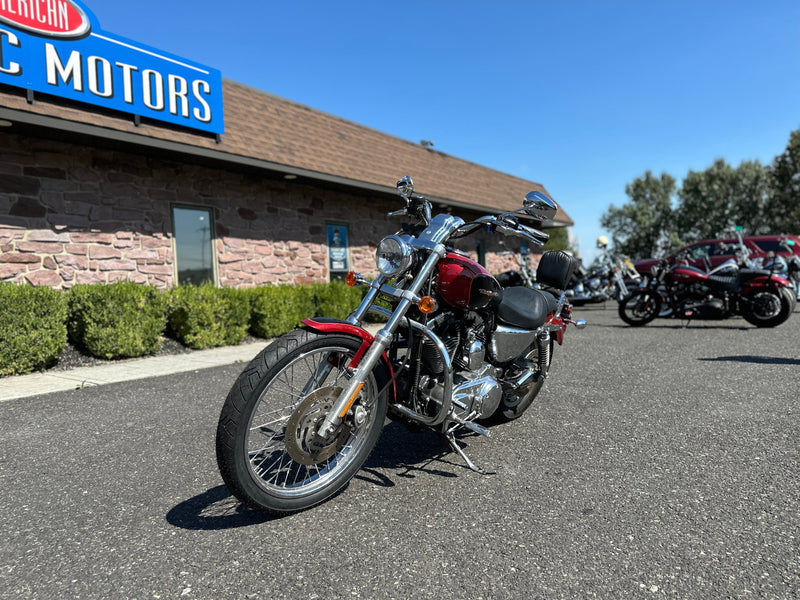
{"x": 660, "y": 462}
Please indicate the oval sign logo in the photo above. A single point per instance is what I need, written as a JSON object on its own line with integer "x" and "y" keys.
{"x": 48, "y": 18}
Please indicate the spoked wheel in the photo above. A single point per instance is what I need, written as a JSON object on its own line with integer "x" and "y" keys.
{"x": 268, "y": 450}
{"x": 768, "y": 308}
{"x": 640, "y": 307}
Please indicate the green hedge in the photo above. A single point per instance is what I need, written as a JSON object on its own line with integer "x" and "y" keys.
{"x": 206, "y": 316}
{"x": 33, "y": 332}
{"x": 126, "y": 319}
{"x": 276, "y": 309}
{"x": 117, "y": 320}
{"x": 335, "y": 299}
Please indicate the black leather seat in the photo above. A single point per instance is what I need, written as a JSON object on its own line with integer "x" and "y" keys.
{"x": 525, "y": 308}
{"x": 721, "y": 282}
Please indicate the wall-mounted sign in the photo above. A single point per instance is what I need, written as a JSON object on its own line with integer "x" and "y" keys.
{"x": 337, "y": 249}
{"x": 57, "y": 47}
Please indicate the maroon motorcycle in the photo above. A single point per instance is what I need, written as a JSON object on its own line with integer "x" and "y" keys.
{"x": 457, "y": 349}
{"x": 760, "y": 296}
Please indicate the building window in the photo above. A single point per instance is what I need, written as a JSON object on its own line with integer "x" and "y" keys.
{"x": 193, "y": 229}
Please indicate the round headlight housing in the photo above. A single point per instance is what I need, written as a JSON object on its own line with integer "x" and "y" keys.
{"x": 394, "y": 256}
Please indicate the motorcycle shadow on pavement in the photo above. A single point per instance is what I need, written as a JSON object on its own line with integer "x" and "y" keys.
{"x": 409, "y": 453}
{"x": 398, "y": 450}
{"x": 214, "y": 510}
{"x": 761, "y": 360}
{"x": 676, "y": 325}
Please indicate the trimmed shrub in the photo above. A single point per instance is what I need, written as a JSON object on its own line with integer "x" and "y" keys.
{"x": 335, "y": 299}
{"x": 205, "y": 316}
{"x": 276, "y": 309}
{"x": 116, "y": 320}
{"x": 382, "y": 302}
{"x": 34, "y": 327}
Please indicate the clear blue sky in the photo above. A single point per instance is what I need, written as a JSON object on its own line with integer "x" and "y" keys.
{"x": 582, "y": 96}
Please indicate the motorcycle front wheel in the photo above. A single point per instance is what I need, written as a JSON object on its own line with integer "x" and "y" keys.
{"x": 268, "y": 452}
{"x": 640, "y": 308}
{"x": 768, "y": 308}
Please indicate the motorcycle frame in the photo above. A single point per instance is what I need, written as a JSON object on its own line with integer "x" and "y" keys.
{"x": 432, "y": 240}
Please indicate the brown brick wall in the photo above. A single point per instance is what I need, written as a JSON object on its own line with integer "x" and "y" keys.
{"x": 74, "y": 214}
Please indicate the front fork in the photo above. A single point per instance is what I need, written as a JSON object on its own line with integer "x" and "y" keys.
{"x": 380, "y": 344}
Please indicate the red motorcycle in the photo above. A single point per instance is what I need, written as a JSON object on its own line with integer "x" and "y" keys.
{"x": 760, "y": 296}
{"x": 457, "y": 348}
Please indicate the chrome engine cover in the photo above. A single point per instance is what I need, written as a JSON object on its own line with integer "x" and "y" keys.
{"x": 475, "y": 393}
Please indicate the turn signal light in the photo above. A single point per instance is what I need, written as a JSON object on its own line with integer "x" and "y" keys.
{"x": 426, "y": 305}
{"x": 351, "y": 278}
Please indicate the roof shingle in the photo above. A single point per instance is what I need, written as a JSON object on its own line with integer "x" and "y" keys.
{"x": 264, "y": 127}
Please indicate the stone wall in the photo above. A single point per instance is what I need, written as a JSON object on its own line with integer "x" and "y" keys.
{"x": 73, "y": 214}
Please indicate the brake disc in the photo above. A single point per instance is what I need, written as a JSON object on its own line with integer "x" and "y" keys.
{"x": 302, "y": 442}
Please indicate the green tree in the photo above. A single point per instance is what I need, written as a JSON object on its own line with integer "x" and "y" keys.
{"x": 559, "y": 239}
{"x": 713, "y": 200}
{"x": 784, "y": 206}
{"x": 640, "y": 227}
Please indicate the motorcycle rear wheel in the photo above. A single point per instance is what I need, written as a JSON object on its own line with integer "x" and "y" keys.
{"x": 267, "y": 451}
{"x": 768, "y": 308}
{"x": 639, "y": 308}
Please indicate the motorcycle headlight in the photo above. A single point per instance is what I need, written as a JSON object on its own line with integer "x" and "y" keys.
{"x": 394, "y": 256}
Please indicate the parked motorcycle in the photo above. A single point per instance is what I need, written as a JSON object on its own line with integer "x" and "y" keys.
{"x": 586, "y": 287}
{"x": 612, "y": 279}
{"x": 762, "y": 297}
{"x": 788, "y": 267}
{"x": 305, "y": 414}
{"x": 622, "y": 275}
{"x": 524, "y": 275}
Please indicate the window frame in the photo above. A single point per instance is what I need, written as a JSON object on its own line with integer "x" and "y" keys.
{"x": 212, "y": 239}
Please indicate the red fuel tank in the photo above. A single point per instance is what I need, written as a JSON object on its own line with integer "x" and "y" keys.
{"x": 687, "y": 274}
{"x": 463, "y": 283}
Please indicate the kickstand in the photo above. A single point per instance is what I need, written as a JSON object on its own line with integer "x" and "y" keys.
{"x": 451, "y": 439}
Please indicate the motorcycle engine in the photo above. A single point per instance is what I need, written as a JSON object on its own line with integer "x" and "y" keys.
{"x": 709, "y": 308}
{"x": 696, "y": 302}
{"x": 476, "y": 392}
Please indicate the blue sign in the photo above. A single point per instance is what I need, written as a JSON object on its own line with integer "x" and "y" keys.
{"x": 57, "y": 47}
{"x": 337, "y": 248}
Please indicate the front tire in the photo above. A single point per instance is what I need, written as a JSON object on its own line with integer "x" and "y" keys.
{"x": 768, "y": 308}
{"x": 640, "y": 308}
{"x": 267, "y": 452}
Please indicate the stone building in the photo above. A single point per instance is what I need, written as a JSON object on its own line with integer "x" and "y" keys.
{"x": 287, "y": 194}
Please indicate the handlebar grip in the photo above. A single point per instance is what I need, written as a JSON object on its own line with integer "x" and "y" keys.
{"x": 540, "y": 235}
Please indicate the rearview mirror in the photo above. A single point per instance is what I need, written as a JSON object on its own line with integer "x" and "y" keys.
{"x": 539, "y": 206}
{"x": 405, "y": 186}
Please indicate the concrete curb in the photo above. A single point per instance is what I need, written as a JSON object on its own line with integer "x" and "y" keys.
{"x": 23, "y": 386}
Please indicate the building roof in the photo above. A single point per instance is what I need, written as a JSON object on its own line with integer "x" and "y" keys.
{"x": 268, "y": 132}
